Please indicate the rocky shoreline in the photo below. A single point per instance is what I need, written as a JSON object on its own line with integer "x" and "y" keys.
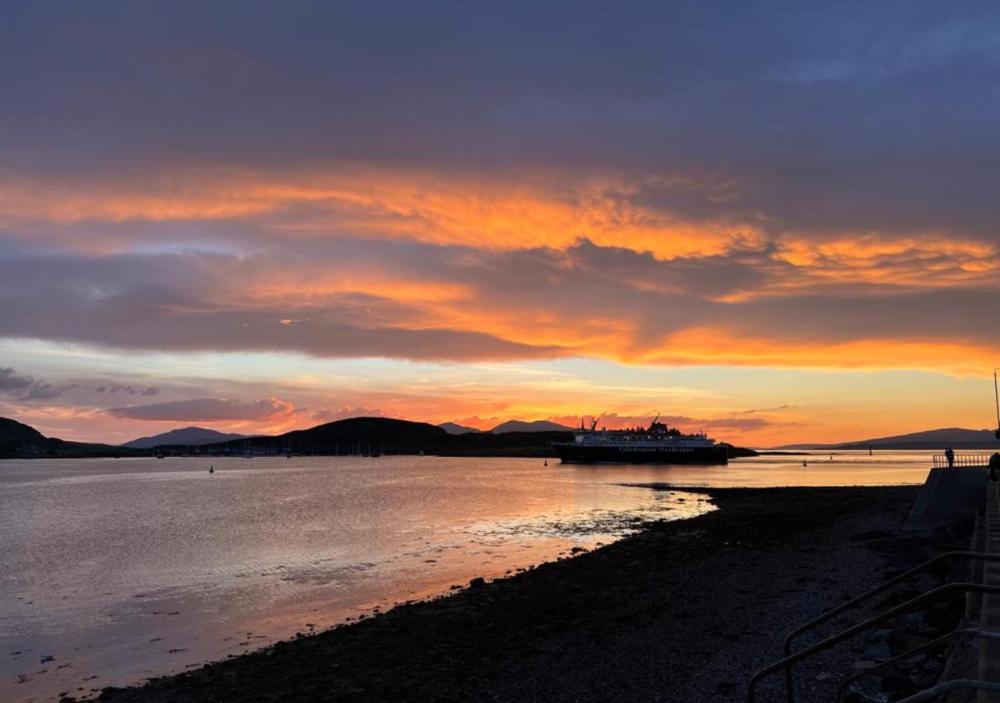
{"x": 682, "y": 611}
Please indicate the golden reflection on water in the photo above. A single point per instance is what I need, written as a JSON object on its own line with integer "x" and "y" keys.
{"x": 149, "y": 566}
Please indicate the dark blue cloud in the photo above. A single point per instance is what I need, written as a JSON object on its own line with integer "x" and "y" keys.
{"x": 823, "y": 115}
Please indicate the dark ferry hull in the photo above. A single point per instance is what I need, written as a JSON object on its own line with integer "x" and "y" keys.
{"x": 573, "y": 453}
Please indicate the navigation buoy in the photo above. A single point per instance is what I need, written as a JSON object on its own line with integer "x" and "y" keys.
{"x": 211, "y": 469}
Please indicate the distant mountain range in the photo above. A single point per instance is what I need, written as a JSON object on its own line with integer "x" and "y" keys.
{"x": 455, "y": 428}
{"x": 187, "y": 436}
{"x": 195, "y": 436}
{"x": 955, "y": 437}
{"x": 365, "y": 435}
{"x": 536, "y": 426}
{"x": 509, "y": 426}
{"x": 382, "y": 435}
{"x": 357, "y": 435}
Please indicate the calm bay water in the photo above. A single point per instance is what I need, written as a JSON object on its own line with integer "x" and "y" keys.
{"x": 124, "y": 569}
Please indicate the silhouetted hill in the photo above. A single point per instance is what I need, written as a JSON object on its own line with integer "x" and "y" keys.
{"x": 455, "y": 428}
{"x": 535, "y": 426}
{"x": 187, "y": 436}
{"x": 14, "y": 435}
{"x": 956, "y": 437}
{"x": 361, "y": 435}
{"x": 354, "y": 435}
{"x": 383, "y": 433}
{"x": 18, "y": 440}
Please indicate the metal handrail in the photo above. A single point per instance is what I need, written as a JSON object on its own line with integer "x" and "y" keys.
{"x": 962, "y": 459}
{"x": 787, "y": 663}
{"x": 951, "y": 685}
{"x": 881, "y": 588}
{"x": 972, "y": 631}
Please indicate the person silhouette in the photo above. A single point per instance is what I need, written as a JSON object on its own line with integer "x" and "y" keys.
{"x": 949, "y": 454}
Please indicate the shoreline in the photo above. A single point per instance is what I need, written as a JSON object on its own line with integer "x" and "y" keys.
{"x": 657, "y": 615}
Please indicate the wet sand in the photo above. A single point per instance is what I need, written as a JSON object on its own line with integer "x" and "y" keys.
{"x": 682, "y": 611}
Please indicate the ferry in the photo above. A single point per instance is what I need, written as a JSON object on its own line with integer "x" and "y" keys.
{"x": 657, "y": 444}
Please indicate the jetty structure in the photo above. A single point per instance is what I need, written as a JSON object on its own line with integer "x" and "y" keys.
{"x": 958, "y": 490}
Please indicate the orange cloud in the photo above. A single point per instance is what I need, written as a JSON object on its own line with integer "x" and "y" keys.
{"x": 520, "y": 211}
{"x": 272, "y": 288}
{"x": 540, "y": 216}
{"x": 718, "y": 347}
{"x": 506, "y": 212}
{"x": 922, "y": 259}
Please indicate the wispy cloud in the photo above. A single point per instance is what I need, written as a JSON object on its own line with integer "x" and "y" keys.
{"x": 206, "y": 410}
{"x": 12, "y": 382}
{"x": 27, "y": 388}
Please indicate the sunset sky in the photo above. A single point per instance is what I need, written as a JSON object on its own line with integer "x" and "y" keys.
{"x": 774, "y": 221}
